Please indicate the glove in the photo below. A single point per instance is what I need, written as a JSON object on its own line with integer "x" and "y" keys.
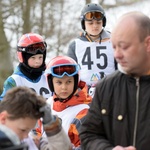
{"x": 48, "y": 117}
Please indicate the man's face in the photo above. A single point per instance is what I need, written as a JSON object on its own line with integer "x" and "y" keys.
{"x": 129, "y": 51}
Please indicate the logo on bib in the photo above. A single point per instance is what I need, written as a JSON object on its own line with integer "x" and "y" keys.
{"x": 96, "y": 77}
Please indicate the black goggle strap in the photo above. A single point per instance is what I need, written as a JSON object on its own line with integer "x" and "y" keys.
{"x": 33, "y": 49}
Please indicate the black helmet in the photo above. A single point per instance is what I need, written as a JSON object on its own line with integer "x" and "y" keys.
{"x": 9, "y": 140}
{"x": 92, "y": 7}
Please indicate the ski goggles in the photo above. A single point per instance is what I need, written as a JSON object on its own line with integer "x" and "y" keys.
{"x": 34, "y": 48}
{"x": 89, "y": 16}
{"x": 61, "y": 70}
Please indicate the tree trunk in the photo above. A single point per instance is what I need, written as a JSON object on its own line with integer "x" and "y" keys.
{"x": 6, "y": 66}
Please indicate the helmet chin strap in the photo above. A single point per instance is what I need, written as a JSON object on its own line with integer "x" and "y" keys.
{"x": 89, "y": 36}
{"x": 63, "y": 99}
{"x": 94, "y": 35}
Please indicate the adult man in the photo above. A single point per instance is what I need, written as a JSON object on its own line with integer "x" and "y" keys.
{"x": 21, "y": 108}
{"x": 119, "y": 115}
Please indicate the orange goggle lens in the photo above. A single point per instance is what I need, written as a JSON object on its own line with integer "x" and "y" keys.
{"x": 93, "y": 15}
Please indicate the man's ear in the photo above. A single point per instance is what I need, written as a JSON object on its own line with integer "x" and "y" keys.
{"x": 147, "y": 42}
{"x": 3, "y": 116}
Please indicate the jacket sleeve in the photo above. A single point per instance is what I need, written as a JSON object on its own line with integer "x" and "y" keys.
{"x": 8, "y": 84}
{"x": 92, "y": 132}
{"x": 56, "y": 138}
{"x": 74, "y": 129}
{"x": 71, "y": 51}
{"x": 56, "y": 142}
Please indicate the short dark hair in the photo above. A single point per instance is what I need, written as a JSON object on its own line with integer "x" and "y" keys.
{"x": 22, "y": 102}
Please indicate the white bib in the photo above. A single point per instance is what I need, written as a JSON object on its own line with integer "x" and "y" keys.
{"x": 68, "y": 114}
{"x": 96, "y": 60}
{"x": 40, "y": 87}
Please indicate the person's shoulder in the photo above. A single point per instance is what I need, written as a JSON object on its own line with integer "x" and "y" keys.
{"x": 110, "y": 78}
{"x": 105, "y": 34}
{"x": 107, "y": 31}
{"x": 9, "y": 80}
{"x": 50, "y": 100}
{"x": 73, "y": 42}
{"x": 82, "y": 36}
{"x": 115, "y": 75}
{"x": 82, "y": 112}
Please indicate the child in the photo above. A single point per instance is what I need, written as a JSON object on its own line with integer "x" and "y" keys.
{"x": 92, "y": 50}
{"x": 31, "y": 52}
{"x": 70, "y": 100}
{"x": 21, "y": 108}
{"x": 9, "y": 140}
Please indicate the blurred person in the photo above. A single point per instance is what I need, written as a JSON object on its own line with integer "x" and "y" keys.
{"x": 92, "y": 50}
{"x": 118, "y": 118}
{"x": 9, "y": 140}
{"x": 21, "y": 108}
{"x": 70, "y": 100}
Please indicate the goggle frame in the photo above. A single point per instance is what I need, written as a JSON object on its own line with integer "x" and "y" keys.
{"x": 76, "y": 67}
{"x": 93, "y": 15}
{"x": 34, "y": 48}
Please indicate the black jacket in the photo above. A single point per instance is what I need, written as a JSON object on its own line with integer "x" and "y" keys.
{"x": 119, "y": 114}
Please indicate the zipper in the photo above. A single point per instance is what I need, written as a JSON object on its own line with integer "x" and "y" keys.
{"x": 137, "y": 112}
